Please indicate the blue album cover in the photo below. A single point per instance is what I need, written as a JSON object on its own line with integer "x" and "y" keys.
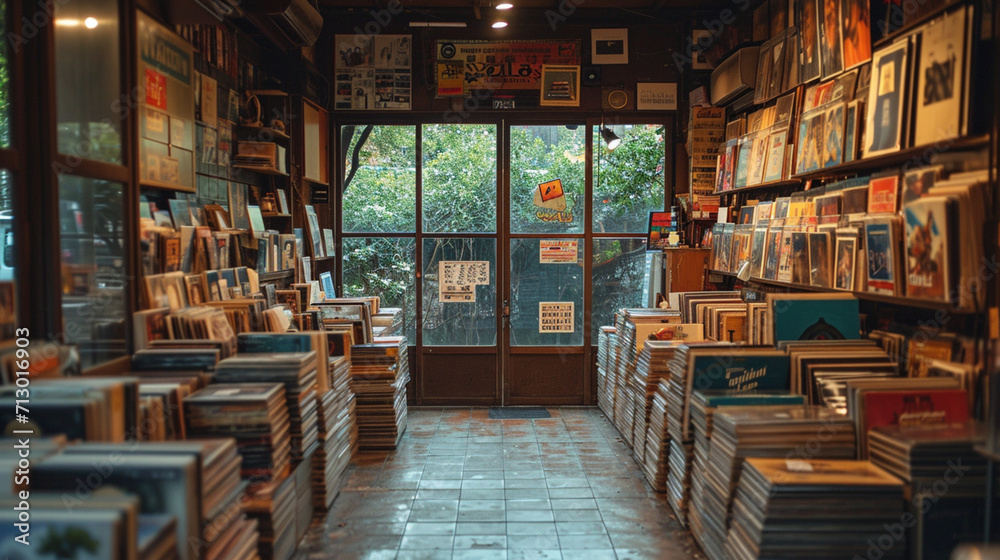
{"x": 816, "y": 319}
{"x": 881, "y": 276}
{"x": 735, "y": 372}
{"x": 743, "y": 164}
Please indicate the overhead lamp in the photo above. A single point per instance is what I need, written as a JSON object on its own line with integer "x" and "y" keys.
{"x": 499, "y": 24}
{"x": 504, "y": 6}
{"x": 610, "y": 138}
{"x": 438, "y": 24}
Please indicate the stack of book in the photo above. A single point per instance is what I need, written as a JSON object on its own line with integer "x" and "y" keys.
{"x": 217, "y": 475}
{"x": 272, "y": 505}
{"x": 338, "y": 431}
{"x": 657, "y": 440}
{"x": 923, "y": 457}
{"x": 388, "y": 322}
{"x": 253, "y": 413}
{"x": 797, "y": 431}
{"x": 605, "y": 395}
{"x": 297, "y": 371}
{"x": 166, "y": 482}
{"x": 169, "y": 389}
{"x": 776, "y": 512}
{"x": 379, "y": 374}
{"x": 707, "y": 518}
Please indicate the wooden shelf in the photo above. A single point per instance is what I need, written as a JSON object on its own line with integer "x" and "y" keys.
{"x": 166, "y": 186}
{"x": 867, "y": 296}
{"x": 261, "y": 170}
{"x": 274, "y": 215}
{"x": 771, "y": 185}
{"x": 267, "y": 93}
{"x": 896, "y": 158}
{"x": 266, "y": 130}
{"x": 277, "y": 275}
{"x": 990, "y": 455}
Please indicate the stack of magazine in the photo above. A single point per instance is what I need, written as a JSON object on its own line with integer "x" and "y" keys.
{"x": 605, "y": 344}
{"x": 337, "y": 427}
{"x": 297, "y": 371}
{"x": 253, "y": 413}
{"x": 379, "y": 374}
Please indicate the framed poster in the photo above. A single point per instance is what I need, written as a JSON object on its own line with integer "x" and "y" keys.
{"x": 656, "y": 96}
{"x": 373, "y": 72}
{"x": 560, "y": 86}
{"x": 165, "y": 72}
{"x": 609, "y": 46}
{"x": 886, "y": 99}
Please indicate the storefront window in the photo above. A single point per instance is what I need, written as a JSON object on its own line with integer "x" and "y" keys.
{"x": 628, "y": 182}
{"x": 88, "y": 81}
{"x": 384, "y": 266}
{"x": 462, "y": 313}
{"x": 92, "y": 245}
{"x": 547, "y": 178}
{"x": 380, "y": 192}
{"x": 546, "y": 292}
{"x": 4, "y": 82}
{"x": 619, "y": 267}
{"x": 459, "y": 178}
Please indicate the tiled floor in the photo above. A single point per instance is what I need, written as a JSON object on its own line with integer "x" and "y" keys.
{"x": 463, "y": 486}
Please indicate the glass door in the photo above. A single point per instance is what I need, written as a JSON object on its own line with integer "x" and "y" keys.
{"x": 545, "y": 304}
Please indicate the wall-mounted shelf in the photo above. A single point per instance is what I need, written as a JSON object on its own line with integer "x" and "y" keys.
{"x": 262, "y": 170}
{"x": 762, "y": 186}
{"x": 276, "y": 275}
{"x": 867, "y": 296}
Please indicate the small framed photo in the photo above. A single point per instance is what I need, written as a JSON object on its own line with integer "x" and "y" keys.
{"x": 609, "y": 46}
{"x": 560, "y": 86}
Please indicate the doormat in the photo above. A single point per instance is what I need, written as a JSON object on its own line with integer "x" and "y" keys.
{"x": 518, "y": 413}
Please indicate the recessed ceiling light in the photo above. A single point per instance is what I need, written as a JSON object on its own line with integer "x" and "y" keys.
{"x": 504, "y": 6}
{"x": 90, "y": 23}
{"x": 499, "y": 24}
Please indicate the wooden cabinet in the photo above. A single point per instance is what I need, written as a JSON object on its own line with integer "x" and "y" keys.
{"x": 685, "y": 269}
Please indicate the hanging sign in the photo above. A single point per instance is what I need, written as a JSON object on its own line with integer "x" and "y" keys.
{"x": 489, "y": 65}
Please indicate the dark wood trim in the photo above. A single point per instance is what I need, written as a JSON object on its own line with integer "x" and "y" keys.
{"x": 9, "y": 158}
{"x": 589, "y": 373}
{"x": 117, "y": 366}
{"x": 457, "y": 350}
{"x": 548, "y": 350}
{"x": 130, "y": 153}
{"x": 72, "y": 165}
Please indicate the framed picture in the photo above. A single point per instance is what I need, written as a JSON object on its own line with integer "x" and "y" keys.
{"x": 758, "y": 155}
{"x": 326, "y": 280}
{"x": 810, "y": 142}
{"x": 819, "y": 259}
{"x": 609, "y": 46}
{"x": 283, "y": 207}
{"x": 776, "y": 156}
{"x": 315, "y": 233}
{"x": 851, "y": 131}
{"x": 764, "y": 61}
{"x": 857, "y": 32}
{"x": 831, "y": 46}
{"x": 807, "y": 22}
{"x": 833, "y": 136}
{"x": 256, "y": 219}
{"x": 698, "y": 59}
{"x": 886, "y": 99}
{"x": 238, "y": 213}
{"x": 560, "y": 86}
{"x": 328, "y": 242}
{"x": 844, "y": 268}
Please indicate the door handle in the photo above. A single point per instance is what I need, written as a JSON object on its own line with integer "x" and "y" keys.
{"x": 505, "y": 311}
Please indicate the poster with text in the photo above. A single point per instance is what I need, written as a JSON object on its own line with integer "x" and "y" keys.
{"x": 555, "y": 316}
{"x": 457, "y": 280}
{"x": 373, "y": 72}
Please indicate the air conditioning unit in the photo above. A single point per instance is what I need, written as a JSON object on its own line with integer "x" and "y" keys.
{"x": 734, "y": 76}
{"x": 297, "y": 21}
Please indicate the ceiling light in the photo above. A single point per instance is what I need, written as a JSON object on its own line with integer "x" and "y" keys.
{"x": 437, "y": 24}
{"x": 504, "y": 6}
{"x": 610, "y": 138}
{"x": 499, "y": 24}
{"x": 90, "y": 23}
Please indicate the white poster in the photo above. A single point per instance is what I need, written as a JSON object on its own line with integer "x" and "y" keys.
{"x": 373, "y": 72}
{"x": 457, "y": 280}
{"x": 558, "y": 251}
{"x": 652, "y": 96}
{"x": 555, "y": 316}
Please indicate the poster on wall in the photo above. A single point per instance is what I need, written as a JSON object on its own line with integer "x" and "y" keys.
{"x": 609, "y": 46}
{"x": 652, "y": 96}
{"x": 373, "y": 72}
{"x": 166, "y": 76}
{"x": 507, "y": 66}
{"x": 558, "y": 251}
{"x": 555, "y": 316}
{"x": 457, "y": 280}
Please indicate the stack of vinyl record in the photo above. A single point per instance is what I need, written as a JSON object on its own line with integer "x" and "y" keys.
{"x": 657, "y": 440}
{"x": 253, "y": 413}
{"x": 924, "y": 457}
{"x": 297, "y": 371}
{"x": 605, "y": 395}
{"x": 338, "y": 434}
{"x": 624, "y": 412}
{"x": 795, "y": 508}
{"x": 796, "y": 431}
{"x": 272, "y": 505}
{"x": 652, "y": 365}
{"x": 704, "y": 513}
{"x": 379, "y": 373}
